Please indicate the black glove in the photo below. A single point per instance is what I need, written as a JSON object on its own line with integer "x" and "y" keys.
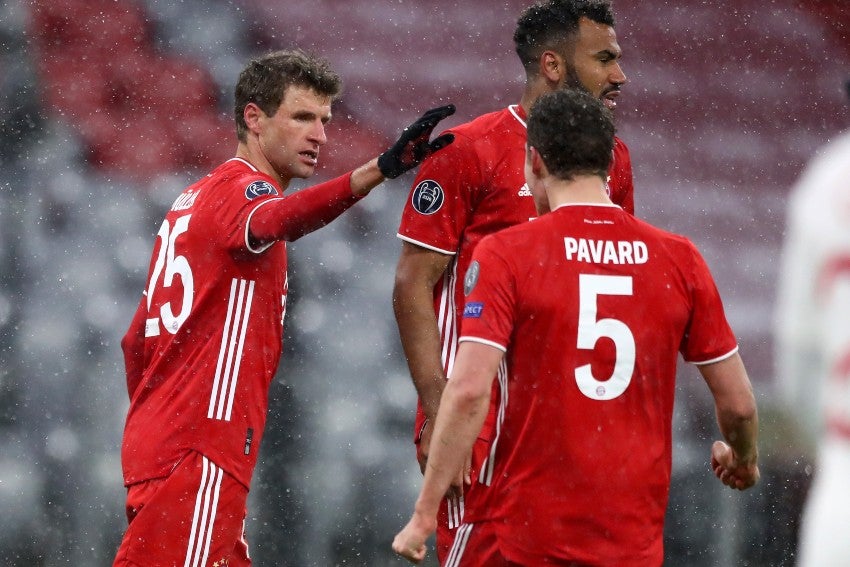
{"x": 413, "y": 145}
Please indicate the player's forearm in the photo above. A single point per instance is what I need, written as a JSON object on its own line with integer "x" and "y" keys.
{"x": 420, "y": 339}
{"x": 735, "y": 405}
{"x": 461, "y": 416}
{"x": 302, "y": 212}
{"x": 739, "y": 426}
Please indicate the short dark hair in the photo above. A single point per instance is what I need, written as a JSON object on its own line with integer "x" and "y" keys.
{"x": 573, "y": 132}
{"x": 552, "y": 24}
{"x": 265, "y": 80}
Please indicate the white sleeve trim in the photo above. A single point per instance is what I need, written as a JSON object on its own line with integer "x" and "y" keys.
{"x": 264, "y": 247}
{"x": 713, "y": 360}
{"x": 483, "y": 342}
{"x": 428, "y": 246}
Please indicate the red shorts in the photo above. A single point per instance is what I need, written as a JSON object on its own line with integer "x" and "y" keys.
{"x": 450, "y": 514}
{"x": 476, "y": 545}
{"x": 194, "y": 517}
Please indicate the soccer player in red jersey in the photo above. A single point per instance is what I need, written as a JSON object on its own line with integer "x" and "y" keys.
{"x": 205, "y": 341}
{"x": 581, "y": 315}
{"x": 476, "y": 187}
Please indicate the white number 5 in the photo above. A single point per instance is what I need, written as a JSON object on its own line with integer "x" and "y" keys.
{"x": 174, "y": 265}
{"x": 590, "y": 330}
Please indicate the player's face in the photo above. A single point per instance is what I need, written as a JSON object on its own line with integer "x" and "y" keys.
{"x": 290, "y": 139}
{"x": 595, "y": 64}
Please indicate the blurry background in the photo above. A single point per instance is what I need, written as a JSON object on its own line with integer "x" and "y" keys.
{"x": 110, "y": 107}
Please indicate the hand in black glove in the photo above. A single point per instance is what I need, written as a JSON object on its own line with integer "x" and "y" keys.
{"x": 413, "y": 145}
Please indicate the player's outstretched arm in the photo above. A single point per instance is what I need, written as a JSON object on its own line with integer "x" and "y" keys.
{"x": 314, "y": 207}
{"x": 735, "y": 461}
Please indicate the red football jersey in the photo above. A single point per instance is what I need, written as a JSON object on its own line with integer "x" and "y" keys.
{"x": 213, "y": 331}
{"x": 472, "y": 188}
{"x": 592, "y": 306}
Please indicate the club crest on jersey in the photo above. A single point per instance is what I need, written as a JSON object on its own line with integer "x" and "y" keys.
{"x": 259, "y": 189}
{"x": 471, "y": 277}
{"x": 473, "y": 310}
{"x": 428, "y": 197}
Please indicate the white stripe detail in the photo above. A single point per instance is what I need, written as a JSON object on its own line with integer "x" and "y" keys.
{"x": 459, "y": 545}
{"x": 426, "y": 246}
{"x": 514, "y": 109}
{"x": 471, "y": 339}
{"x": 486, "y": 475}
{"x": 230, "y": 353}
{"x": 713, "y": 360}
{"x": 206, "y": 504}
{"x": 242, "y": 332}
{"x": 448, "y": 319}
{"x": 455, "y": 511}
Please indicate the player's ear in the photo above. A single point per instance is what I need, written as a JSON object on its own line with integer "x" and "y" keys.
{"x": 538, "y": 168}
{"x": 552, "y": 66}
{"x": 252, "y": 114}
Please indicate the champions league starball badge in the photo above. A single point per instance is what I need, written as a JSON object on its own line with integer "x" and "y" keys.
{"x": 427, "y": 197}
{"x": 259, "y": 189}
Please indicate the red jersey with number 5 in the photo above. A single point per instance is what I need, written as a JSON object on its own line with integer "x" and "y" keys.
{"x": 475, "y": 187}
{"x": 213, "y": 331}
{"x": 592, "y": 306}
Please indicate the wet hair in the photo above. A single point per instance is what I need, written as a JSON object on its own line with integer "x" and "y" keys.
{"x": 264, "y": 82}
{"x": 573, "y": 132}
{"x": 552, "y": 25}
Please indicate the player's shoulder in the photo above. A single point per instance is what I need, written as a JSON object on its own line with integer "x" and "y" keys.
{"x": 239, "y": 176}
{"x": 672, "y": 241}
{"x": 503, "y": 122}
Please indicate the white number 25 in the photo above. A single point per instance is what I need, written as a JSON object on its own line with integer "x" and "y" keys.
{"x": 591, "y": 329}
{"x": 174, "y": 265}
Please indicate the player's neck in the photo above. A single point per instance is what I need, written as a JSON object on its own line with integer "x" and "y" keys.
{"x": 581, "y": 189}
{"x": 255, "y": 158}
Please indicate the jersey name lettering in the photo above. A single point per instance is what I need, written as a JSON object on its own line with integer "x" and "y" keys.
{"x": 184, "y": 201}
{"x": 605, "y": 251}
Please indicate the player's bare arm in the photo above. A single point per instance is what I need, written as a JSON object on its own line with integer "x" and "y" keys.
{"x": 735, "y": 461}
{"x": 417, "y": 272}
{"x": 464, "y": 406}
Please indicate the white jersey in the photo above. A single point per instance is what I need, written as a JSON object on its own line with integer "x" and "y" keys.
{"x": 813, "y": 343}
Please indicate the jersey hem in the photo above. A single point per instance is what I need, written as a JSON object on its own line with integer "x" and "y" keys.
{"x": 428, "y": 246}
{"x": 713, "y": 360}
{"x": 493, "y": 344}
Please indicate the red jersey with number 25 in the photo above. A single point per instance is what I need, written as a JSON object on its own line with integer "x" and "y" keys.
{"x": 213, "y": 331}
{"x": 475, "y": 187}
{"x": 592, "y": 306}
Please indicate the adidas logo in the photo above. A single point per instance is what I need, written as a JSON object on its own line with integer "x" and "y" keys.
{"x": 524, "y": 191}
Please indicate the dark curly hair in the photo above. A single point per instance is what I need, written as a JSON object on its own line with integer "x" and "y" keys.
{"x": 573, "y": 132}
{"x": 553, "y": 24}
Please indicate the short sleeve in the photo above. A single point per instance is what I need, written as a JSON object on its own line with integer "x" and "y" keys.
{"x": 708, "y": 337}
{"x": 442, "y": 198}
{"x": 229, "y": 208}
{"x": 491, "y": 294}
